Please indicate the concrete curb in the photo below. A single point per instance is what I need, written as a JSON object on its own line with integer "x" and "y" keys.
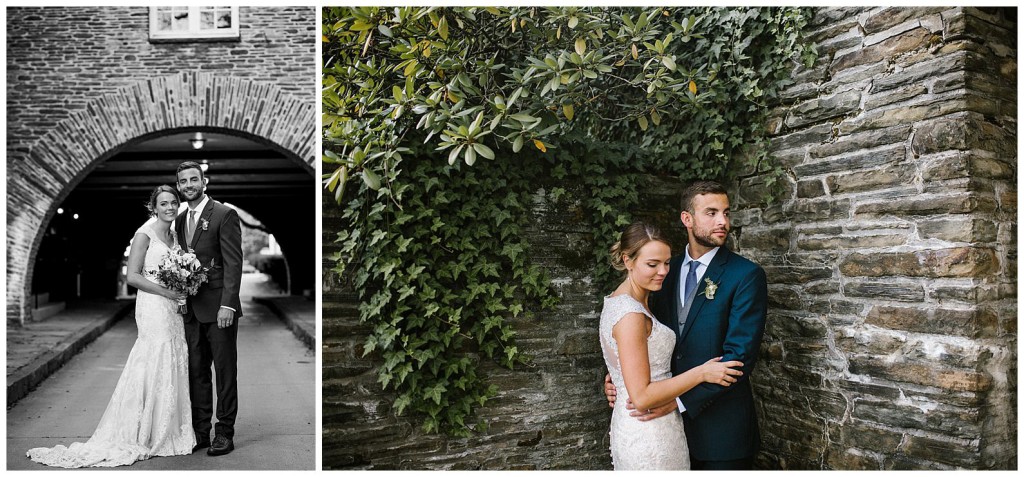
{"x": 25, "y": 379}
{"x": 304, "y": 335}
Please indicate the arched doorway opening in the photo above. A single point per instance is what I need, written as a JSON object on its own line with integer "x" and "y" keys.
{"x": 81, "y": 253}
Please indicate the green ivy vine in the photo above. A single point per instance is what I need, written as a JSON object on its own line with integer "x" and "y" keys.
{"x": 584, "y": 103}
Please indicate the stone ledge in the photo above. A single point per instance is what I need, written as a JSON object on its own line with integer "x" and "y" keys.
{"x": 23, "y": 380}
{"x": 284, "y": 307}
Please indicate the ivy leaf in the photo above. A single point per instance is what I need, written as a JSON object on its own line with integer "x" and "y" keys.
{"x": 369, "y": 345}
{"x": 435, "y": 392}
{"x": 401, "y": 403}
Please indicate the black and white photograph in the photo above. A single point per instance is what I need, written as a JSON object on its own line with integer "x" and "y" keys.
{"x": 161, "y": 271}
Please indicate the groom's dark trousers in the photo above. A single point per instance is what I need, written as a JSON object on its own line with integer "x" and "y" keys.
{"x": 218, "y": 243}
{"x": 206, "y": 343}
{"x": 720, "y": 422}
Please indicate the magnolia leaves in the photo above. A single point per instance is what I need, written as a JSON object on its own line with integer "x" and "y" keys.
{"x": 465, "y": 140}
{"x": 433, "y": 75}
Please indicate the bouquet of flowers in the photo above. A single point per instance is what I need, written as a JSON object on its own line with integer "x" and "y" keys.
{"x": 181, "y": 271}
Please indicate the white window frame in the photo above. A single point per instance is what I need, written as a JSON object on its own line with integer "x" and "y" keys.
{"x": 194, "y": 33}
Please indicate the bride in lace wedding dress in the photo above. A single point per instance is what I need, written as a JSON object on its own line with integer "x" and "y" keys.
{"x": 149, "y": 413}
{"x": 637, "y": 350}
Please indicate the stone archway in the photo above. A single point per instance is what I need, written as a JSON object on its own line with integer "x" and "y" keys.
{"x": 41, "y": 176}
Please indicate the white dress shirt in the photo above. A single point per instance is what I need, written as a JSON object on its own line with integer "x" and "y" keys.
{"x": 704, "y": 261}
{"x": 199, "y": 213}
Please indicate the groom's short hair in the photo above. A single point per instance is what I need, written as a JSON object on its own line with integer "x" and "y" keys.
{"x": 189, "y": 165}
{"x": 699, "y": 188}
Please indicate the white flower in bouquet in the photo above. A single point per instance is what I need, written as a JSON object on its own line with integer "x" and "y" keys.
{"x": 181, "y": 272}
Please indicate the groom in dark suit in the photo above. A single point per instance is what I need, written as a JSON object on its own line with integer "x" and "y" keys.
{"x": 716, "y": 302}
{"x": 212, "y": 231}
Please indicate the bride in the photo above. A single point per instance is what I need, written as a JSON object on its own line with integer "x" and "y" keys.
{"x": 637, "y": 350}
{"x": 149, "y": 413}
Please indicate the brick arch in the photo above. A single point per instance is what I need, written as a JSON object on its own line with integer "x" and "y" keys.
{"x": 42, "y": 175}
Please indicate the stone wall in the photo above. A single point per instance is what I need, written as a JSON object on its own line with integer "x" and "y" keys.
{"x": 891, "y": 340}
{"x": 549, "y": 414}
{"x": 83, "y": 82}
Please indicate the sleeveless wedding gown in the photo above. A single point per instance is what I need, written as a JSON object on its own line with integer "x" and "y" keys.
{"x": 149, "y": 413}
{"x": 658, "y": 444}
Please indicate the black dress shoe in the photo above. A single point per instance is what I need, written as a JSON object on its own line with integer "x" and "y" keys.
{"x": 221, "y": 445}
{"x": 201, "y": 445}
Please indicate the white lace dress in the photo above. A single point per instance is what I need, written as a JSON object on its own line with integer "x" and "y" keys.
{"x": 658, "y": 444}
{"x": 149, "y": 413}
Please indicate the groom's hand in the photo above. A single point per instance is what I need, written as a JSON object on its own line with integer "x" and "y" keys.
{"x": 225, "y": 317}
{"x": 652, "y": 413}
{"x": 609, "y": 390}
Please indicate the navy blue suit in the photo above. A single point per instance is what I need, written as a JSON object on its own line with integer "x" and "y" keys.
{"x": 720, "y": 421}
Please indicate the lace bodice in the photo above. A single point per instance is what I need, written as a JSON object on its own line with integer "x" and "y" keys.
{"x": 659, "y": 345}
{"x": 156, "y": 251}
{"x": 657, "y": 444}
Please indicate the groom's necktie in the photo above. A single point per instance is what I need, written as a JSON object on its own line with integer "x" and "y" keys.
{"x": 191, "y": 227}
{"x": 691, "y": 280}
{"x": 688, "y": 288}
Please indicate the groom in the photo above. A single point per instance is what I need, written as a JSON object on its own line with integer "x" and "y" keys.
{"x": 212, "y": 231}
{"x": 716, "y": 302}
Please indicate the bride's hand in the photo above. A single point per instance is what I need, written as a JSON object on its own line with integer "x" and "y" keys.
{"x": 717, "y": 372}
{"x": 174, "y": 295}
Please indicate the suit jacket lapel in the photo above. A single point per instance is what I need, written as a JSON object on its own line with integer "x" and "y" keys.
{"x": 713, "y": 273}
{"x": 672, "y": 287}
{"x": 179, "y": 227}
{"x": 204, "y": 218}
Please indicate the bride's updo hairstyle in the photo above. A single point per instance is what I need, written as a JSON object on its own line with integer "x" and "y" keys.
{"x": 632, "y": 239}
{"x": 151, "y": 205}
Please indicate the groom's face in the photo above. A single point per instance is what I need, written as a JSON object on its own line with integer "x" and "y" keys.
{"x": 191, "y": 184}
{"x": 708, "y": 222}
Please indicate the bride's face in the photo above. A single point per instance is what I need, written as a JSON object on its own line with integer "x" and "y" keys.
{"x": 166, "y": 206}
{"x": 649, "y": 268}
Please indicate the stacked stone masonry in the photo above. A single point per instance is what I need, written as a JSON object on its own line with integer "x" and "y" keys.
{"x": 891, "y": 338}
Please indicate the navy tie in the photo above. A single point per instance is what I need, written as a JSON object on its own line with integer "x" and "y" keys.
{"x": 691, "y": 280}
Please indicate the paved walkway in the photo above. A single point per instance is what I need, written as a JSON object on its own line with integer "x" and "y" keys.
{"x": 277, "y": 395}
{"x": 298, "y": 314}
{"x": 37, "y": 350}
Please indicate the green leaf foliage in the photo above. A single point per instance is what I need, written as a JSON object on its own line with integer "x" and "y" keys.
{"x": 432, "y": 107}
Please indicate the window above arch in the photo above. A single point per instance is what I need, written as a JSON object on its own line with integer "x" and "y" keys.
{"x": 193, "y": 23}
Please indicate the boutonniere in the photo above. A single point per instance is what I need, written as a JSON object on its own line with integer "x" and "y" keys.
{"x": 710, "y": 289}
{"x": 206, "y": 224}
